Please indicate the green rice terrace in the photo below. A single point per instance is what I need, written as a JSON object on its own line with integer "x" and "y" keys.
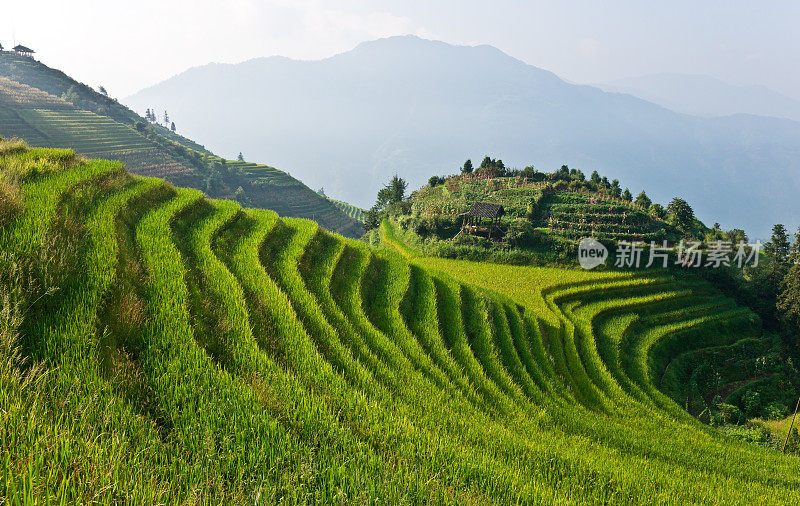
{"x": 34, "y": 107}
{"x": 571, "y": 213}
{"x": 350, "y": 210}
{"x": 157, "y": 346}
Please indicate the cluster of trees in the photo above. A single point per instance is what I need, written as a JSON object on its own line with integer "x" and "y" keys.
{"x": 391, "y": 201}
{"x": 789, "y": 296}
{"x": 150, "y": 115}
{"x": 775, "y": 284}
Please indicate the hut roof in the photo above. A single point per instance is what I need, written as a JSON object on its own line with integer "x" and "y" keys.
{"x": 22, "y": 49}
{"x": 485, "y": 210}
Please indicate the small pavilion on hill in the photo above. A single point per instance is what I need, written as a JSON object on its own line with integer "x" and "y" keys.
{"x": 24, "y": 51}
{"x": 482, "y": 218}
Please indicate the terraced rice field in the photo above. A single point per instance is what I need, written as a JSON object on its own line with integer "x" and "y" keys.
{"x": 46, "y": 120}
{"x": 287, "y": 196}
{"x": 13, "y": 93}
{"x": 350, "y": 210}
{"x": 570, "y": 214}
{"x": 84, "y": 132}
{"x": 190, "y": 350}
{"x": 265, "y": 173}
{"x": 576, "y": 215}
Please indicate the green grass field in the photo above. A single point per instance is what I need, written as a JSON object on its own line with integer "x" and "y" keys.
{"x": 160, "y": 347}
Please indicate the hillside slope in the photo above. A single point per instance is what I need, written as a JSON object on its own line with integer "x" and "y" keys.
{"x": 187, "y": 349}
{"x": 32, "y": 108}
{"x": 418, "y": 108}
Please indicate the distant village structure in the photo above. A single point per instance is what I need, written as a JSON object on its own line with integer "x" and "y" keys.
{"x": 482, "y": 218}
{"x": 21, "y": 50}
{"x": 24, "y": 51}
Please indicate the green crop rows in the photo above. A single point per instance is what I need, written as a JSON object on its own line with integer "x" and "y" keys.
{"x": 159, "y": 347}
{"x": 350, "y": 210}
{"x": 265, "y": 173}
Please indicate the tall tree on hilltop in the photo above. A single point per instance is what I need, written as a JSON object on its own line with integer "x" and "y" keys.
{"x": 467, "y": 167}
{"x": 777, "y": 251}
{"x": 626, "y": 195}
{"x": 166, "y": 118}
{"x": 391, "y": 199}
{"x": 172, "y": 127}
{"x": 681, "y": 214}
{"x": 616, "y": 189}
{"x": 643, "y": 200}
{"x": 789, "y": 298}
{"x": 398, "y": 187}
{"x": 766, "y": 280}
{"x": 778, "y": 248}
{"x": 595, "y": 178}
{"x": 240, "y": 157}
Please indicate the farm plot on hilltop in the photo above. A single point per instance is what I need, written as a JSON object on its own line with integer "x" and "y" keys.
{"x": 571, "y": 214}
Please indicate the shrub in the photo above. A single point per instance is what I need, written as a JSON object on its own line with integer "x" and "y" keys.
{"x": 726, "y": 413}
{"x": 751, "y": 402}
{"x": 522, "y": 234}
{"x": 774, "y": 411}
{"x": 436, "y": 181}
{"x": 442, "y": 227}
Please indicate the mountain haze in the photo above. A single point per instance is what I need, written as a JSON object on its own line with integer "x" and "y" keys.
{"x": 706, "y": 96}
{"x": 418, "y": 107}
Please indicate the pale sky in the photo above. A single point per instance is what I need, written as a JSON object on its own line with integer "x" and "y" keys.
{"x": 126, "y": 46}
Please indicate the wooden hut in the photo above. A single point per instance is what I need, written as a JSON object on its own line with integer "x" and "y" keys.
{"x": 482, "y": 218}
{"x": 24, "y": 51}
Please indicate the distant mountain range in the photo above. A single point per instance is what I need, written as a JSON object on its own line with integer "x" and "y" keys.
{"x": 418, "y": 107}
{"x": 706, "y": 96}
